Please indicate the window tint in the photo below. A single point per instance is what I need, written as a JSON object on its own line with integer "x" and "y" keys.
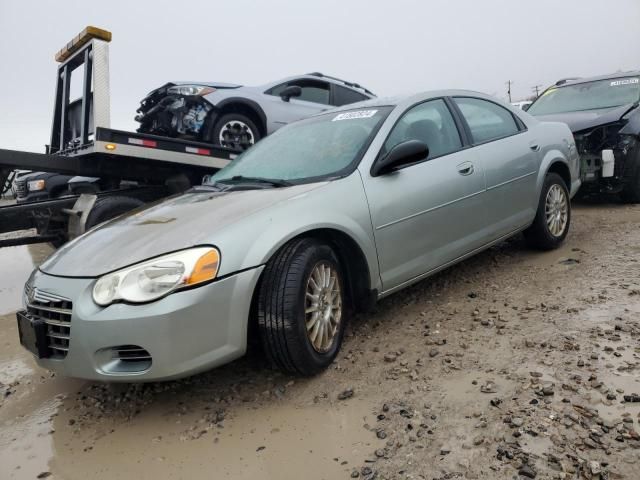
{"x": 430, "y": 122}
{"x": 487, "y": 120}
{"x": 312, "y": 91}
{"x": 345, "y": 96}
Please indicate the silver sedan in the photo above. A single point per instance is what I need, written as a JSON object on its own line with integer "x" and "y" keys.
{"x": 315, "y": 222}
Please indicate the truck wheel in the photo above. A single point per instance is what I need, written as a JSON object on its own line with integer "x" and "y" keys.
{"x": 106, "y": 208}
{"x": 301, "y": 317}
{"x": 235, "y": 131}
{"x": 551, "y": 225}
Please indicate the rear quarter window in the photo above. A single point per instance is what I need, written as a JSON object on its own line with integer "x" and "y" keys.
{"x": 346, "y": 96}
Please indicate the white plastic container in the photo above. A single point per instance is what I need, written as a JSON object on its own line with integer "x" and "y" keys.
{"x": 608, "y": 163}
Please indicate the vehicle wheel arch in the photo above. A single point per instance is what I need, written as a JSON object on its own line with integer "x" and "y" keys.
{"x": 352, "y": 258}
{"x": 562, "y": 169}
{"x": 553, "y": 161}
{"x": 245, "y": 107}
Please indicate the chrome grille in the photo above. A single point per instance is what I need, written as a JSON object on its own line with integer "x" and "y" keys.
{"x": 21, "y": 187}
{"x": 55, "y": 311}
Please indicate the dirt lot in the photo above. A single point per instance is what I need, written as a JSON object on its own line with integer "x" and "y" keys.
{"x": 512, "y": 364}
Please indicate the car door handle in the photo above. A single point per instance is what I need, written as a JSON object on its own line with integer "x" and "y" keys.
{"x": 535, "y": 147}
{"x": 465, "y": 168}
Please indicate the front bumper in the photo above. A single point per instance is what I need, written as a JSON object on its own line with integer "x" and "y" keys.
{"x": 185, "y": 333}
{"x": 33, "y": 197}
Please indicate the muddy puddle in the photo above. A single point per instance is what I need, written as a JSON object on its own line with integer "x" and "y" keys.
{"x": 279, "y": 440}
{"x": 16, "y": 264}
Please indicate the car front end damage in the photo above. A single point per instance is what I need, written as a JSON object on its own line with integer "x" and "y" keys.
{"x": 609, "y": 157}
{"x": 178, "y": 109}
{"x": 603, "y": 114}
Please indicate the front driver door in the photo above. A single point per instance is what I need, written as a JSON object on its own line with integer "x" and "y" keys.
{"x": 430, "y": 213}
{"x": 315, "y": 98}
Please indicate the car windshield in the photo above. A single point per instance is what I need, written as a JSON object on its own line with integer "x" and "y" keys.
{"x": 587, "y": 96}
{"x": 321, "y": 147}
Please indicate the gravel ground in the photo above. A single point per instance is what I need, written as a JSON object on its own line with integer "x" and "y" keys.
{"x": 513, "y": 364}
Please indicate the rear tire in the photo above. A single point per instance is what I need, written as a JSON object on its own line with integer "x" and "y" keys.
{"x": 301, "y": 293}
{"x": 551, "y": 225}
{"x": 235, "y": 131}
{"x": 107, "y": 208}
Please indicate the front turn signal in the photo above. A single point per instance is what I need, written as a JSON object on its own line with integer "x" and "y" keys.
{"x": 205, "y": 269}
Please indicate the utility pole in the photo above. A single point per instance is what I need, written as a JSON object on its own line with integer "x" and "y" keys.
{"x": 509, "y": 82}
{"x": 536, "y": 89}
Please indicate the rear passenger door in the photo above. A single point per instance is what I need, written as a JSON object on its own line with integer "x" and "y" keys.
{"x": 426, "y": 214}
{"x": 509, "y": 157}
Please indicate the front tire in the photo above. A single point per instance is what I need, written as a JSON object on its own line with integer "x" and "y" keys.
{"x": 551, "y": 225}
{"x": 235, "y": 131}
{"x": 301, "y": 317}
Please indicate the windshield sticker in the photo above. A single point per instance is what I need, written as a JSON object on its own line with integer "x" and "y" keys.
{"x": 627, "y": 81}
{"x": 353, "y": 115}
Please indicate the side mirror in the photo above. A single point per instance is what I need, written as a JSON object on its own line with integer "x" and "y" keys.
{"x": 526, "y": 107}
{"x": 290, "y": 91}
{"x": 402, "y": 154}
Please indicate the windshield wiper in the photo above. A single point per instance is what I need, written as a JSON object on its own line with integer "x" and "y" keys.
{"x": 275, "y": 182}
{"x": 209, "y": 187}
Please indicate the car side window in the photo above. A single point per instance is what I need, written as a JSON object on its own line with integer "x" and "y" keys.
{"x": 487, "y": 120}
{"x": 312, "y": 90}
{"x": 430, "y": 122}
{"x": 346, "y": 96}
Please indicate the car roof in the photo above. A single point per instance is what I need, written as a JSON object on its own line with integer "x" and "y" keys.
{"x": 327, "y": 78}
{"x": 576, "y": 81}
{"x": 408, "y": 100}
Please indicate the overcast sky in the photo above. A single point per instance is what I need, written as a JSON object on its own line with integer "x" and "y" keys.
{"x": 390, "y": 46}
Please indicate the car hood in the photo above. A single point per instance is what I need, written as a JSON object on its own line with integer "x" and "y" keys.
{"x": 176, "y": 223}
{"x": 587, "y": 119}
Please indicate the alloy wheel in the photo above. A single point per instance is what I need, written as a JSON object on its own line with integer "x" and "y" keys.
{"x": 556, "y": 210}
{"x": 323, "y": 306}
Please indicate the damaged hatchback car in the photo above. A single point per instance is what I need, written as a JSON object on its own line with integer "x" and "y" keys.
{"x": 314, "y": 223}
{"x": 236, "y": 116}
{"x": 604, "y": 117}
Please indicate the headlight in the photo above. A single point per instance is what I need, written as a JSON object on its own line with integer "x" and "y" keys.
{"x": 199, "y": 90}
{"x": 156, "y": 278}
{"x": 35, "y": 185}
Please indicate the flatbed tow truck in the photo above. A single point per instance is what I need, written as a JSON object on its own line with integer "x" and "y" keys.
{"x": 83, "y": 144}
